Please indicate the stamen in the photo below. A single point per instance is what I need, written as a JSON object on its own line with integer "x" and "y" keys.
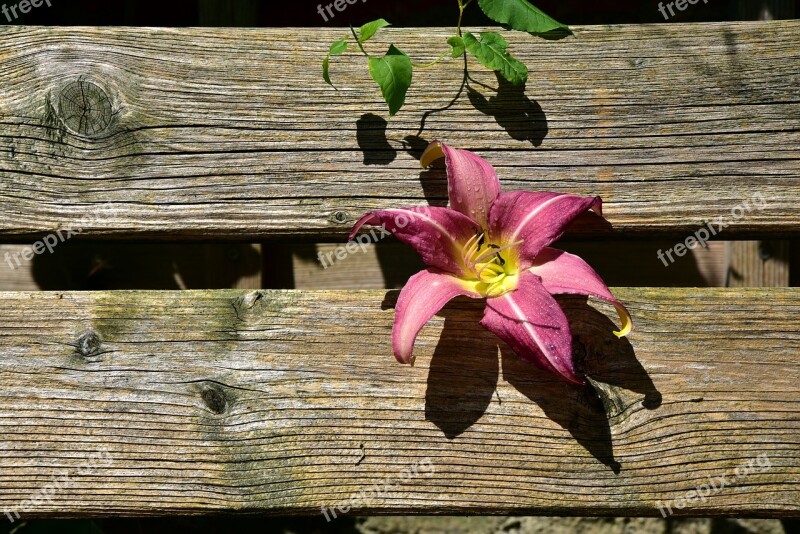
{"x": 473, "y": 249}
{"x": 496, "y": 273}
{"x": 465, "y": 254}
{"x": 489, "y": 254}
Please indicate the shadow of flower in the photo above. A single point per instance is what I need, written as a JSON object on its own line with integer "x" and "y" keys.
{"x": 462, "y": 383}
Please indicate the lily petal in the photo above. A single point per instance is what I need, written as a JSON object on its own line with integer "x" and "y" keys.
{"x": 565, "y": 273}
{"x": 437, "y": 234}
{"x": 472, "y": 182}
{"x": 421, "y": 298}
{"x": 533, "y": 324}
{"x": 537, "y": 219}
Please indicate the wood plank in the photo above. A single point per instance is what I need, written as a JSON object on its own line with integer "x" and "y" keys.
{"x": 232, "y": 133}
{"x": 283, "y": 402}
{"x": 13, "y": 278}
{"x": 758, "y": 263}
{"x": 763, "y": 263}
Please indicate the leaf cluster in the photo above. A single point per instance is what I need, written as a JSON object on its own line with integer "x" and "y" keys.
{"x": 394, "y": 71}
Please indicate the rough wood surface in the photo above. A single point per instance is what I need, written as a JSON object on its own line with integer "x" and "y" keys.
{"x": 232, "y": 132}
{"x": 284, "y": 402}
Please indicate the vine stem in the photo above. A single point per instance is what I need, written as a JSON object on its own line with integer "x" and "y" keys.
{"x": 461, "y": 7}
{"x": 358, "y": 42}
{"x": 432, "y": 63}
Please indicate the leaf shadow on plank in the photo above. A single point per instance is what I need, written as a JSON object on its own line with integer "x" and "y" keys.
{"x": 508, "y": 104}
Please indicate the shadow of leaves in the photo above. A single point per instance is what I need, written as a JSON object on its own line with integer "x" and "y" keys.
{"x": 523, "y": 118}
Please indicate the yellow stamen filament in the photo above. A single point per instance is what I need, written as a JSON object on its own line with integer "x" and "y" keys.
{"x": 485, "y": 266}
{"x": 470, "y": 248}
{"x": 491, "y": 273}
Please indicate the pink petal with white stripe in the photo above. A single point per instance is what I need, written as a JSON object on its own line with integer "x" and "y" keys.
{"x": 437, "y": 234}
{"x": 420, "y": 299}
{"x": 564, "y": 273}
{"x": 536, "y": 219}
{"x": 472, "y": 182}
{"x": 532, "y": 323}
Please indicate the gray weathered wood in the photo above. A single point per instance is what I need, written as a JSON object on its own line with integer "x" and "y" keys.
{"x": 284, "y": 402}
{"x": 231, "y": 133}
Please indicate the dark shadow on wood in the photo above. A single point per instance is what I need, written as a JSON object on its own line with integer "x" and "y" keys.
{"x": 523, "y": 118}
{"x": 463, "y": 371}
{"x": 86, "y": 265}
{"x": 460, "y": 387}
{"x": 371, "y": 138}
{"x": 579, "y": 410}
{"x": 397, "y": 267}
{"x": 607, "y": 360}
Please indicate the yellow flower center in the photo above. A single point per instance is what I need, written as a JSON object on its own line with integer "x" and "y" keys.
{"x": 492, "y": 270}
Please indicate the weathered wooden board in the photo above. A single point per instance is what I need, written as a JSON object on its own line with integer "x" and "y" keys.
{"x": 288, "y": 401}
{"x": 231, "y": 133}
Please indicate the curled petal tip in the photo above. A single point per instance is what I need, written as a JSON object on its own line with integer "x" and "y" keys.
{"x": 413, "y": 359}
{"x": 597, "y": 206}
{"x": 431, "y": 154}
{"x": 367, "y": 218}
{"x": 627, "y": 323}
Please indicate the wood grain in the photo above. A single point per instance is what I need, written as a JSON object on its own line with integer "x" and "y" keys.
{"x": 283, "y": 402}
{"x": 231, "y": 133}
{"x": 758, "y": 263}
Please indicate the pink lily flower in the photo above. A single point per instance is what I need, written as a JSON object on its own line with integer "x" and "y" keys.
{"x": 494, "y": 246}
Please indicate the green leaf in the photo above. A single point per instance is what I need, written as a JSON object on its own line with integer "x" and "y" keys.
{"x": 337, "y": 49}
{"x": 326, "y": 66}
{"x": 491, "y": 52}
{"x": 520, "y": 15}
{"x": 371, "y": 28}
{"x": 458, "y": 45}
{"x": 393, "y": 73}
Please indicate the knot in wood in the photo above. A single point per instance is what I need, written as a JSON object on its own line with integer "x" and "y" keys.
{"x": 214, "y": 399}
{"x": 88, "y": 344}
{"x": 340, "y": 217}
{"x": 84, "y": 108}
